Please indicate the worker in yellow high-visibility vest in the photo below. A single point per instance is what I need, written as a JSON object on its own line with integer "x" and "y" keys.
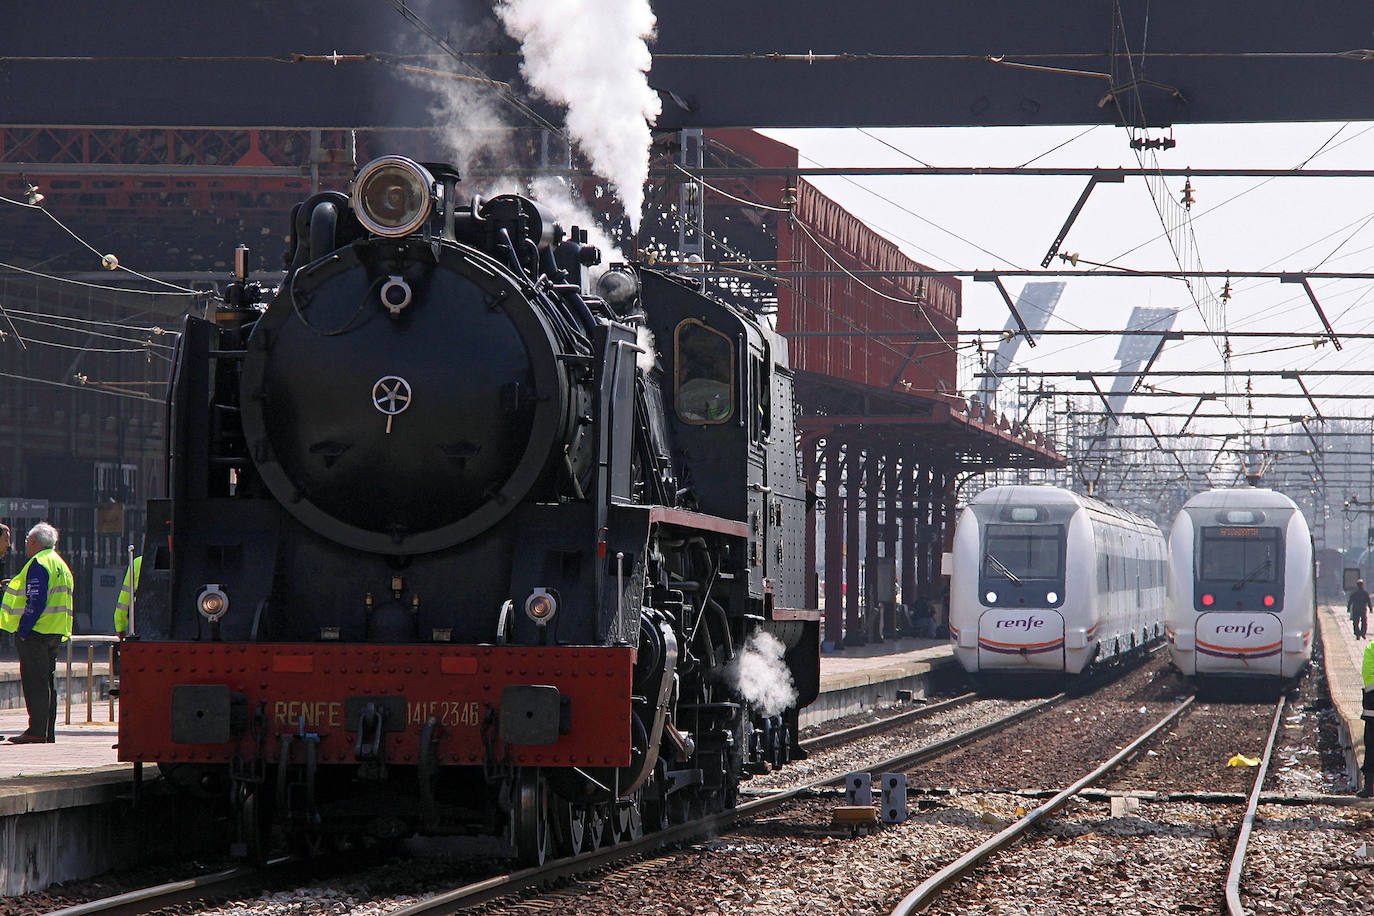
{"x": 126, "y": 596}
{"x": 37, "y": 608}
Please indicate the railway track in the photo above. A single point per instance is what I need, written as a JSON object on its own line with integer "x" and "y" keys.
{"x": 237, "y": 881}
{"x": 493, "y": 887}
{"x": 173, "y": 893}
{"x": 927, "y": 895}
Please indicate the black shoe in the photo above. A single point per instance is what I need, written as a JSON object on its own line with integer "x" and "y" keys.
{"x": 26, "y": 738}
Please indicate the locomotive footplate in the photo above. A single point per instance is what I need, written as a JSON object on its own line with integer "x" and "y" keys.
{"x": 570, "y": 706}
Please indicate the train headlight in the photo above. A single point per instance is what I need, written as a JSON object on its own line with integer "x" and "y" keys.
{"x": 1051, "y": 597}
{"x": 991, "y": 597}
{"x": 540, "y": 606}
{"x": 393, "y": 196}
{"x": 212, "y": 603}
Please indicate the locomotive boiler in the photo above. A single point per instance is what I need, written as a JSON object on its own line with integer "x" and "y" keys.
{"x": 456, "y": 545}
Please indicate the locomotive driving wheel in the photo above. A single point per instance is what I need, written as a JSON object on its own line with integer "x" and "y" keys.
{"x": 595, "y": 818}
{"x": 569, "y": 827}
{"x": 253, "y": 824}
{"x": 532, "y": 828}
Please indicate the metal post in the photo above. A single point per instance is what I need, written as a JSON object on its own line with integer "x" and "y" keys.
{"x": 69, "y": 682}
{"x": 890, "y": 500}
{"x": 834, "y": 545}
{"x": 854, "y": 634}
{"x": 109, "y": 675}
{"x": 911, "y": 584}
{"x": 872, "y": 487}
{"x": 133, "y": 587}
{"x": 90, "y": 682}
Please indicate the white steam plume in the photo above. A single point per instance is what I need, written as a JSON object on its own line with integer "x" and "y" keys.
{"x": 761, "y": 676}
{"x": 553, "y": 192}
{"x": 592, "y": 56}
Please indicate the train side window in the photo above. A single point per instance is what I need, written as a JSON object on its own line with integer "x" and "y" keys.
{"x": 705, "y": 363}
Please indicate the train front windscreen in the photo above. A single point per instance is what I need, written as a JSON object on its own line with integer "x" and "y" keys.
{"x": 1023, "y": 565}
{"x": 1239, "y": 569}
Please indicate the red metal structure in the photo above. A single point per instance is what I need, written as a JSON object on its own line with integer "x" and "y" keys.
{"x": 884, "y": 434}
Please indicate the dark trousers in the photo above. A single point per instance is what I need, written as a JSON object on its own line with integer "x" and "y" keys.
{"x": 38, "y": 671}
{"x": 1360, "y": 621}
{"x": 1368, "y": 768}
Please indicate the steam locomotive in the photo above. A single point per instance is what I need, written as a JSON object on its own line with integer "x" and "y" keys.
{"x": 455, "y": 545}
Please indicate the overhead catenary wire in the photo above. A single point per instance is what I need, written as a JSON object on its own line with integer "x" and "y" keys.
{"x": 65, "y": 228}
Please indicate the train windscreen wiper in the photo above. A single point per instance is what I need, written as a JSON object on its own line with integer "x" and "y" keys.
{"x": 1248, "y": 577}
{"x": 1002, "y": 567}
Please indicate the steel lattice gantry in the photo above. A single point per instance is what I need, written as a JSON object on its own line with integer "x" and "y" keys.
{"x": 888, "y": 465}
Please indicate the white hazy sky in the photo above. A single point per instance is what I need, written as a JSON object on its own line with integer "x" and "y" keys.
{"x": 1289, "y": 224}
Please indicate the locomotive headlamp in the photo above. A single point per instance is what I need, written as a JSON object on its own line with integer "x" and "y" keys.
{"x": 212, "y": 603}
{"x": 991, "y": 597}
{"x": 393, "y": 196}
{"x": 540, "y": 606}
{"x": 1051, "y": 597}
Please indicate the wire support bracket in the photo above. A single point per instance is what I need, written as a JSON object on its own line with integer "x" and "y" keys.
{"x": 989, "y": 277}
{"x": 1111, "y": 177}
{"x": 1302, "y": 278}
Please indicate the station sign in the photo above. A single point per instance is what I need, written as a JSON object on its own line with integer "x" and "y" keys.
{"x": 14, "y": 507}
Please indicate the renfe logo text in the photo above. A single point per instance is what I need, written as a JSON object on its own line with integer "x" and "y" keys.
{"x": 1235, "y": 629}
{"x": 1025, "y": 623}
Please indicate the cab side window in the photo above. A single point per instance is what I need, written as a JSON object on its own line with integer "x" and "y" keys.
{"x": 705, "y": 361}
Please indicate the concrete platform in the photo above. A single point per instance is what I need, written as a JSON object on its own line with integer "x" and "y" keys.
{"x": 66, "y": 808}
{"x": 12, "y": 689}
{"x": 862, "y": 677}
{"x": 1344, "y": 654}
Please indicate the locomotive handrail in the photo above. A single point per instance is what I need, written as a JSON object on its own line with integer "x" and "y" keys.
{"x": 90, "y": 643}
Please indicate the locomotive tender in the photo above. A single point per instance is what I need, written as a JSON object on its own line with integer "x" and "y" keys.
{"x": 1242, "y": 586}
{"x": 1051, "y": 581}
{"x": 451, "y": 548}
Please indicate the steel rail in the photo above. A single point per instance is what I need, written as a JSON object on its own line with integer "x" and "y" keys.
{"x": 490, "y": 889}
{"x": 161, "y": 896}
{"x": 1233, "y": 904}
{"x": 924, "y": 893}
{"x": 844, "y": 736}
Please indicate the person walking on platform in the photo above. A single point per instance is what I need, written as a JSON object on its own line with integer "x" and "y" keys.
{"x": 1358, "y": 608}
{"x": 37, "y": 609}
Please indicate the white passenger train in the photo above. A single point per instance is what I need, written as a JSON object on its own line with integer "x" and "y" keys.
{"x": 1242, "y": 598}
{"x": 1048, "y": 580}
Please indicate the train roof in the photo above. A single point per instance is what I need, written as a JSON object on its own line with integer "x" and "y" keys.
{"x": 1049, "y": 495}
{"x": 1248, "y": 497}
